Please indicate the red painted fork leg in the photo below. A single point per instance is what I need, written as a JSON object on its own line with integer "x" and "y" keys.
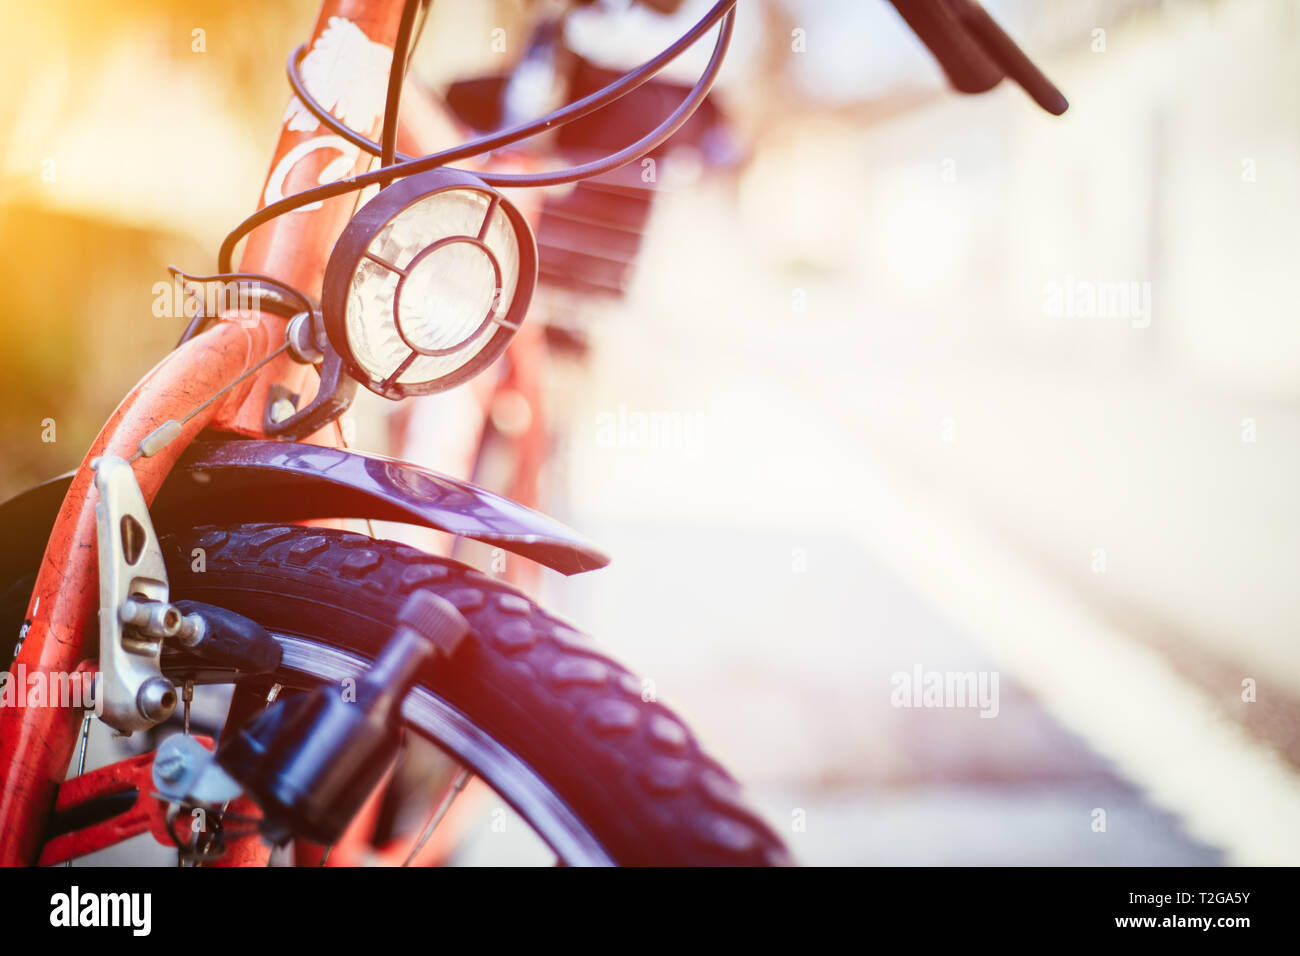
{"x": 36, "y": 743}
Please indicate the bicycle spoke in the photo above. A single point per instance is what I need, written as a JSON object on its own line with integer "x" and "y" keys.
{"x": 461, "y": 780}
{"x": 81, "y": 756}
{"x": 187, "y": 695}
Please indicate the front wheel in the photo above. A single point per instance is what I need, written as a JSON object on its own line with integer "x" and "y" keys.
{"x": 559, "y": 730}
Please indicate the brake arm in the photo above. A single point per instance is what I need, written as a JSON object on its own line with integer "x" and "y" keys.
{"x": 134, "y": 613}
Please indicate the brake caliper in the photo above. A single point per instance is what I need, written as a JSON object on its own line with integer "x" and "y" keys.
{"x": 134, "y": 613}
{"x": 136, "y": 616}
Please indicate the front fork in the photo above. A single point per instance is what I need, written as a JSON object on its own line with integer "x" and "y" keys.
{"x": 37, "y": 743}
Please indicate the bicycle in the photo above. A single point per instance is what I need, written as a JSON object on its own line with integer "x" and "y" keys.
{"x": 194, "y": 543}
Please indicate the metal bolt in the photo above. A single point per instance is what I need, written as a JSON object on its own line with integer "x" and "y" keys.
{"x": 302, "y": 339}
{"x": 156, "y": 699}
{"x": 192, "y": 631}
{"x": 172, "y": 766}
{"x": 282, "y": 409}
{"x": 154, "y": 618}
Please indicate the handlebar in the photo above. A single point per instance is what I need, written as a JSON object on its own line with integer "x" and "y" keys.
{"x": 974, "y": 51}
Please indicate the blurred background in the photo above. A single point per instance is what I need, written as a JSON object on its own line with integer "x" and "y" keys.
{"x": 902, "y": 379}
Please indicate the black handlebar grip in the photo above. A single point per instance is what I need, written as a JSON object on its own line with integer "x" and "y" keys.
{"x": 1013, "y": 60}
{"x": 974, "y": 51}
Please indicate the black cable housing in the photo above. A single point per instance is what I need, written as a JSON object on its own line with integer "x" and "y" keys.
{"x": 722, "y": 12}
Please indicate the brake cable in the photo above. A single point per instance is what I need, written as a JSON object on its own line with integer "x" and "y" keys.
{"x": 396, "y": 76}
{"x": 561, "y": 116}
{"x": 723, "y": 12}
{"x": 285, "y": 299}
{"x": 168, "y": 431}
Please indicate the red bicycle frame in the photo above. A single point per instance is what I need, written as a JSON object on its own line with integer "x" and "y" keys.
{"x": 37, "y": 743}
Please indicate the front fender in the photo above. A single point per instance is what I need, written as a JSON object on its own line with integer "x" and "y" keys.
{"x": 225, "y": 481}
{"x": 228, "y": 481}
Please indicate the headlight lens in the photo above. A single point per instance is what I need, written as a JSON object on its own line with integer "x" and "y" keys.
{"x": 428, "y": 283}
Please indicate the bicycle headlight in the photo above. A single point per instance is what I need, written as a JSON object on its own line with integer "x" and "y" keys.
{"x": 428, "y": 283}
